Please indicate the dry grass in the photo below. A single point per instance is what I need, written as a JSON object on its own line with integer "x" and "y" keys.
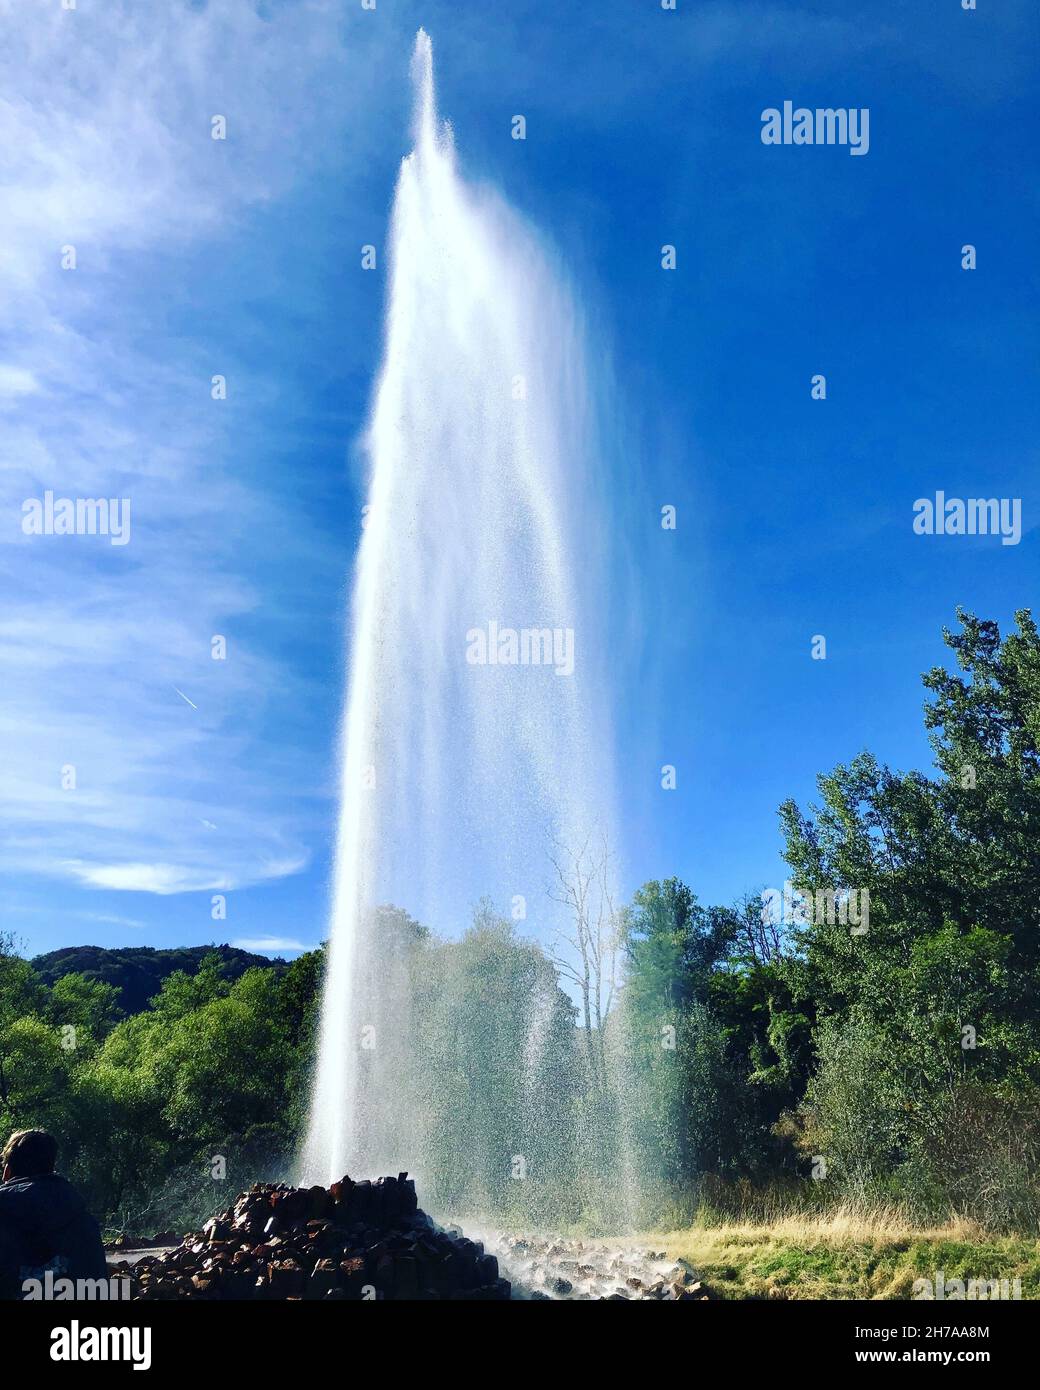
{"x": 849, "y": 1252}
{"x": 851, "y": 1223}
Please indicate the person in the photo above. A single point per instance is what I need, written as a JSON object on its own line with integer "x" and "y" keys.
{"x": 44, "y": 1222}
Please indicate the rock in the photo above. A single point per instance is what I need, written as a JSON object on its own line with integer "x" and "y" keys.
{"x": 696, "y": 1290}
{"x": 348, "y": 1241}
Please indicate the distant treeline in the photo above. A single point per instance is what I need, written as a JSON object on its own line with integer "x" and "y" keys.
{"x": 900, "y": 1063}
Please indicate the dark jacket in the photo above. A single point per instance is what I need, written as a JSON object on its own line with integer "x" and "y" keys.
{"x": 45, "y": 1224}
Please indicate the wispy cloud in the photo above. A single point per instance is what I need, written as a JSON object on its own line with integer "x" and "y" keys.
{"x": 111, "y": 919}
{"x": 133, "y": 759}
{"x": 164, "y": 879}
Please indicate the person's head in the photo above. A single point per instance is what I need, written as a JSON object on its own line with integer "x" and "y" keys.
{"x": 28, "y": 1154}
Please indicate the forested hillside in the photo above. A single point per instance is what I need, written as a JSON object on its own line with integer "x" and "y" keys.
{"x": 137, "y": 972}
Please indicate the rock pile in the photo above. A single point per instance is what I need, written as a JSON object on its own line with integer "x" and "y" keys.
{"x": 353, "y": 1240}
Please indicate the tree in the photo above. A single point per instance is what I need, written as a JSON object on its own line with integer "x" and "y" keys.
{"x": 937, "y": 1000}
{"x": 22, "y": 995}
{"x": 588, "y": 946}
{"x": 495, "y": 1062}
{"x": 89, "y": 1006}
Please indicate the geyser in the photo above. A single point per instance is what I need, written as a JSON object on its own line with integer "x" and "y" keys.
{"x": 458, "y": 775}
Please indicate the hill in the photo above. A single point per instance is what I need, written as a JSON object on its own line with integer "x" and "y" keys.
{"x": 138, "y": 971}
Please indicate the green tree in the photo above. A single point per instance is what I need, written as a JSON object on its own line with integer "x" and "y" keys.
{"x": 89, "y": 1006}
{"x": 936, "y": 1002}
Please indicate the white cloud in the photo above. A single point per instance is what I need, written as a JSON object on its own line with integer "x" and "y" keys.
{"x": 270, "y": 945}
{"x": 17, "y": 381}
{"x": 172, "y": 878}
{"x": 144, "y": 878}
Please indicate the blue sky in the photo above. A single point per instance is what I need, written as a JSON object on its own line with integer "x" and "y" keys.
{"x": 241, "y": 257}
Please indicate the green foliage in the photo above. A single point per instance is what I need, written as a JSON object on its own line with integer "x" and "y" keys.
{"x": 496, "y": 1071}
{"x": 89, "y": 1006}
{"x": 680, "y": 1070}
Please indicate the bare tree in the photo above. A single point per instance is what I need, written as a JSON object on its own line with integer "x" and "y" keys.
{"x": 588, "y": 948}
{"x": 757, "y": 934}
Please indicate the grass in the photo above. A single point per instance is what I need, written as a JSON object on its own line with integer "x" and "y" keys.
{"x": 847, "y": 1253}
